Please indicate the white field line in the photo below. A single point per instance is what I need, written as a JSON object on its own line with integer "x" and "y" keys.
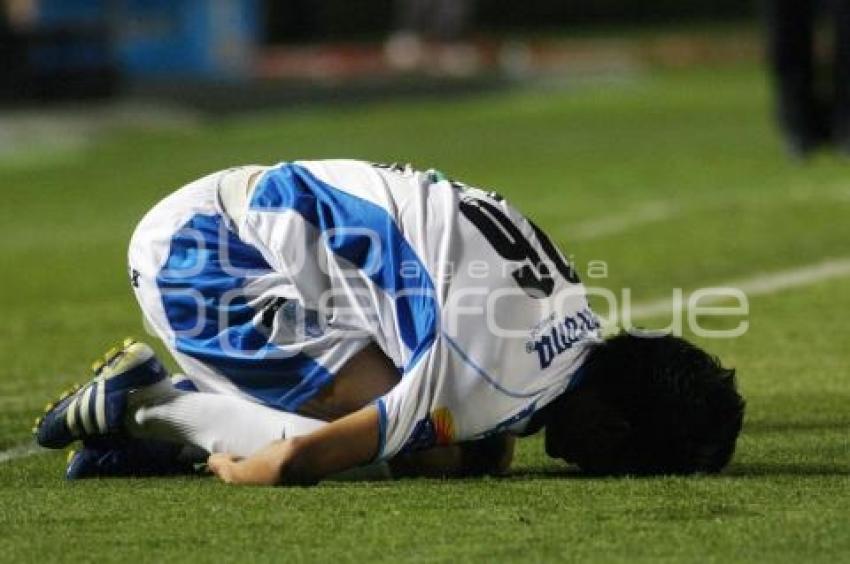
{"x": 758, "y": 285}
{"x": 662, "y": 210}
{"x": 20, "y": 451}
{"x": 614, "y": 224}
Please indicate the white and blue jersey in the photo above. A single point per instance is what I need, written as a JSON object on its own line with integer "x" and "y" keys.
{"x": 265, "y": 281}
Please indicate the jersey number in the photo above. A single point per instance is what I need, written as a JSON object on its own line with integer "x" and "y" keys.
{"x": 509, "y": 242}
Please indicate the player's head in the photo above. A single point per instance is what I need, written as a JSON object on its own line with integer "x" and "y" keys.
{"x": 648, "y": 405}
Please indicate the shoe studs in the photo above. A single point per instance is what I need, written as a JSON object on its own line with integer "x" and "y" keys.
{"x": 111, "y": 354}
{"x": 51, "y": 405}
{"x": 97, "y": 367}
{"x": 36, "y": 424}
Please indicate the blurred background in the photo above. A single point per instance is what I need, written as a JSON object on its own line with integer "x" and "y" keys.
{"x": 150, "y": 60}
{"x": 215, "y": 54}
{"x": 74, "y": 68}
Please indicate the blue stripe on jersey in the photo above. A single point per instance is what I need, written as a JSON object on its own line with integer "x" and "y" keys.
{"x": 201, "y": 287}
{"x": 483, "y": 373}
{"x": 508, "y": 423}
{"x": 346, "y": 219}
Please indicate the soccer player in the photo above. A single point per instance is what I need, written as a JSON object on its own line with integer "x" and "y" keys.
{"x": 412, "y": 312}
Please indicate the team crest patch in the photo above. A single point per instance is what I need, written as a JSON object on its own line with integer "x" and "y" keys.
{"x": 436, "y": 429}
{"x": 444, "y": 426}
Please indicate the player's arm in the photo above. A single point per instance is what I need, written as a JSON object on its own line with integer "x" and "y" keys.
{"x": 490, "y": 456}
{"x": 352, "y": 441}
{"x": 346, "y": 443}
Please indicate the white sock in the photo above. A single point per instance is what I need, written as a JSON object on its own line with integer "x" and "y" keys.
{"x": 223, "y": 423}
{"x": 212, "y": 422}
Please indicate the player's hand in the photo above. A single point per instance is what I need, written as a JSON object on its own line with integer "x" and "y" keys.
{"x": 261, "y": 469}
{"x": 343, "y": 444}
{"x": 221, "y": 465}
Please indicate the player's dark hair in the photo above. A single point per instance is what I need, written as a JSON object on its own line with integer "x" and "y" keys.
{"x": 649, "y": 405}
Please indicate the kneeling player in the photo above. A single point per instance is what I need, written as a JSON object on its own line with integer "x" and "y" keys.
{"x": 412, "y": 312}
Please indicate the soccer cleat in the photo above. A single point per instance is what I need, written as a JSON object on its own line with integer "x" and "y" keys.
{"x": 97, "y": 409}
{"x": 104, "y": 457}
{"x": 132, "y": 457}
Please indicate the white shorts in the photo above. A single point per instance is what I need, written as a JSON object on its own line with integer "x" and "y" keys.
{"x": 233, "y": 323}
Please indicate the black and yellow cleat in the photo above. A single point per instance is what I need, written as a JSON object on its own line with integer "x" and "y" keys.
{"x": 97, "y": 408}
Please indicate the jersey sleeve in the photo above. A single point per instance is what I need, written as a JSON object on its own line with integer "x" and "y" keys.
{"x": 405, "y": 413}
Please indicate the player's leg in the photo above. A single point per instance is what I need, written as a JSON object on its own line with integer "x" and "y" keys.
{"x": 192, "y": 277}
{"x": 130, "y": 413}
{"x": 186, "y": 224}
{"x": 790, "y": 49}
{"x": 244, "y": 332}
{"x": 211, "y": 422}
{"x": 841, "y": 71}
{"x": 185, "y": 261}
{"x": 143, "y": 422}
{"x": 234, "y": 423}
{"x": 222, "y": 423}
{"x": 131, "y": 396}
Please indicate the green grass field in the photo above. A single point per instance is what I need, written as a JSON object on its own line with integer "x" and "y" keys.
{"x": 696, "y": 144}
